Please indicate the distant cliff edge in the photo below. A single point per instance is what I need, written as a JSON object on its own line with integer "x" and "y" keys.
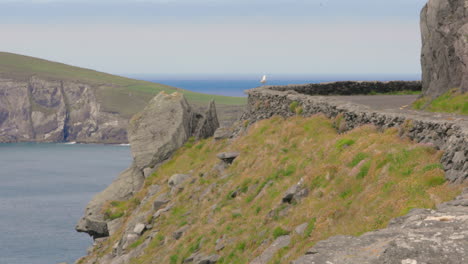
{"x": 44, "y": 101}
{"x": 43, "y": 110}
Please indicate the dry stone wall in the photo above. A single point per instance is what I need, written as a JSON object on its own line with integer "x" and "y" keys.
{"x": 351, "y": 87}
{"x": 448, "y": 134}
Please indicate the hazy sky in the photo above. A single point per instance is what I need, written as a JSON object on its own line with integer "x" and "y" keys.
{"x": 218, "y": 36}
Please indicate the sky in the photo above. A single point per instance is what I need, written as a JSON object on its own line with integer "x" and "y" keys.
{"x": 196, "y": 37}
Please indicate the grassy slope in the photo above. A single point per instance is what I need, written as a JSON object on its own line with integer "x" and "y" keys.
{"x": 118, "y": 94}
{"x": 358, "y": 181}
{"x": 451, "y": 102}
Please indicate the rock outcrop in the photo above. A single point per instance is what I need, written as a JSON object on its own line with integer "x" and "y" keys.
{"x": 444, "y": 57}
{"x": 204, "y": 126}
{"x": 44, "y": 110}
{"x": 422, "y": 236}
{"x": 270, "y": 251}
{"x": 165, "y": 124}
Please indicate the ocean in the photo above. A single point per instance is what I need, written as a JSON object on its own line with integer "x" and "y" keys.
{"x": 43, "y": 192}
{"x": 236, "y": 85}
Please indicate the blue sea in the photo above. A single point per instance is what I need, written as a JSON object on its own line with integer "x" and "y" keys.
{"x": 44, "y": 189}
{"x": 233, "y": 85}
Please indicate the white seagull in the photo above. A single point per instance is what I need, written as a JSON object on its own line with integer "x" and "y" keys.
{"x": 264, "y": 79}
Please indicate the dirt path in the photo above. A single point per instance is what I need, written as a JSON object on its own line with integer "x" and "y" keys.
{"x": 381, "y": 102}
{"x": 397, "y": 104}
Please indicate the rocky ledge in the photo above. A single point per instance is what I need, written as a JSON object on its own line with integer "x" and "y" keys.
{"x": 422, "y": 236}
{"x": 166, "y": 123}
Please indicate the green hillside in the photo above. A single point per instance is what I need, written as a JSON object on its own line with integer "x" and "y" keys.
{"x": 356, "y": 182}
{"x": 117, "y": 94}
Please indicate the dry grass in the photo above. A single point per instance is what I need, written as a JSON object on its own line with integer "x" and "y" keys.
{"x": 358, "y": 181}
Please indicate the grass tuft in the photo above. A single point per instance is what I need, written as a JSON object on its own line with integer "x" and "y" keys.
{"x": 293, "y": 105}
{"x": 344, "y": 143}
{"x": 278, "y": 231}
{"x": 452, "y": 101}
{"x": 357, "y": 159}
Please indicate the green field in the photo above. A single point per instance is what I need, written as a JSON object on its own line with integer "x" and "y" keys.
{"x": 117, "y": 94}
{"x": 452, "y": 101}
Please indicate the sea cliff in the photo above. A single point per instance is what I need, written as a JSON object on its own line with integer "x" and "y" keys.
{"x": 43, "y": 110}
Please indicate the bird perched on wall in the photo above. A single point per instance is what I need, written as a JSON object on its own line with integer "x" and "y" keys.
{"x": 264, "y": 79}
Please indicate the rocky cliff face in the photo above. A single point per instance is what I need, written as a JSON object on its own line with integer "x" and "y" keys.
{"x": 53, "y": 111}
{"x": 444, "y": 58}
{"x": 155, "y": 133}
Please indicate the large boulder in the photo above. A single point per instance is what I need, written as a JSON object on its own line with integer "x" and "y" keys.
{"x": 165, "y": 125}
{"x": 154, "y": 134}
{"x": 444, "y": 57}
{"x": 162, "y": 127}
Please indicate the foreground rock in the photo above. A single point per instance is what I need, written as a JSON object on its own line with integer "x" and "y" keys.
{"x": 127, "y": 184}
{"x": 228, "y": 157}
{"x": 269, "y": 252}
{"x": 155, "y": 134}
{"x": 444, "y": 58}
{"x": 295, "y": 193}
{"x": 422, "y": 236}
{"x": 198, "y": 258}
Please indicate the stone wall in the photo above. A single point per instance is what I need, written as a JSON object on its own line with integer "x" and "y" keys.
{"x": 445, "y": 134}
{"x": 350, "y": 87}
